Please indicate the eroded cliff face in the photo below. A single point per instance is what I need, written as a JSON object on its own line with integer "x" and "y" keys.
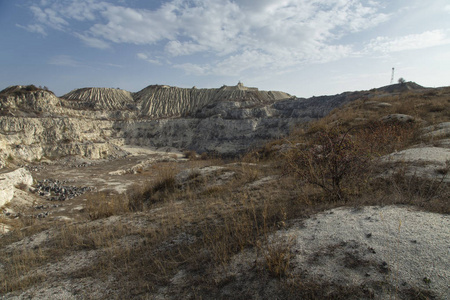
{"x": 96, "y": 122}
{"x": 226, "y": 136}
{"x": 165, "y": 101}
{"x": 51, "y": 137}
{"x": 100, "y": 99}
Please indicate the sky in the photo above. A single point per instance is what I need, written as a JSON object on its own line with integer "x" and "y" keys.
{"x": 302, "y": 47}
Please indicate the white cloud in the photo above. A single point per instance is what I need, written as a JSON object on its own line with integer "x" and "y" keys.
{"x": 177, "y": 48}
{"x": 33, "y": 28}
{"x": 81, "y": 10}
{"x": 39, "y": 14}
{"x": 142, "y": 56}
{"x": 234, "y": 35}
{"x": 92, "y": 41}
{"x": 194, "y": 69}
{"x": 64, "y": 60}
{"x": 126, "y": 25}
{"x": 114, "y": 65}
{"x": 410, "y": 42}
{"x": 145, "y": 57}
{"x": 49, "y": 17}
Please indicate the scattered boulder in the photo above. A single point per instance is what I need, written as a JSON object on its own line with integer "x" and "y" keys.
{"x": 436, "y": 155}
{"x": 425, "y": 162}
{"x": 437, "y": 131}
{"x": 399, "y": 118}
{"x": 377, "y": 104}
{"x": 185, "y": 175}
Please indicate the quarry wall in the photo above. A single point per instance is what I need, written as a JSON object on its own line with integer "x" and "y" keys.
{"x": 96, "y": 122}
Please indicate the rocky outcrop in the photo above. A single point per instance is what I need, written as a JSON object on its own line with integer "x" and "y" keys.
{"x": 162, "y": 101}
{"x": 32, "y": 102}
{"x": 28, "y": 101}
{"x": 165, "y": 101}
{"x": 231, "y": 126}
{"x": 52, "y": 137}
{"x": 401, "y": 87}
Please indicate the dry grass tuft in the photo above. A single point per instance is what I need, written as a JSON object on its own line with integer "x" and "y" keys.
{"x": 105, "y": 204}
{"x": 410, "y": 189}
{"x": 277, "y": 257}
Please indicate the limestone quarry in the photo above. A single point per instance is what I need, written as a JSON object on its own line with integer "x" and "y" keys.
{"x": 96, "y": 122}
{"x": 222, "y": 193}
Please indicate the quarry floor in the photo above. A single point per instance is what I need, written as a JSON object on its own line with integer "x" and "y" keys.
{"x": 109, "y": 175}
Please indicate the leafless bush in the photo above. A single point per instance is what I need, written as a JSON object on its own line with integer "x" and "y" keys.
{"x": 330, "y": 160}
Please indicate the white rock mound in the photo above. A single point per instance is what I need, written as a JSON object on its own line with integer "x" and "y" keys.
{"x": 9, "y": 181}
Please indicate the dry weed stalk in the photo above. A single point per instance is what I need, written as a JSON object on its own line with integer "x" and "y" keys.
{"x": 278, "y": 256}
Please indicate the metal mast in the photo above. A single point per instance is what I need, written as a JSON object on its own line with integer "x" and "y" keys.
{"x": 392, "y": 76}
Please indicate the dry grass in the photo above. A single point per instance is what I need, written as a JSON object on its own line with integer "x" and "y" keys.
{"x": 248, "y": 172}
{"x": 87, "y": 236}
{"x": 17, "y": 266}
{"x": 400, "y": 188}
{"x": 196, "y": 230}
{"x": 105, "y": 204}
{"x": 277, "y": 257}
{"x": 427, "y": 105}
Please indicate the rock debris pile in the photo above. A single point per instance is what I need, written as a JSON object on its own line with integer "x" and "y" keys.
{"x": 56, "y": 190}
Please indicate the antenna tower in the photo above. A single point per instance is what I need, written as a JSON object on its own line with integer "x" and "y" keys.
{"x": 392, "y": 76}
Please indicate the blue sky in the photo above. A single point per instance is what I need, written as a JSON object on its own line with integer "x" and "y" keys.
{"x": 303, "y": 47}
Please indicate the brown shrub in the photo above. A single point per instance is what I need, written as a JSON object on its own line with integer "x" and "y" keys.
{"x": 331, "y": 160}
{"x": 190, "y": 154}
